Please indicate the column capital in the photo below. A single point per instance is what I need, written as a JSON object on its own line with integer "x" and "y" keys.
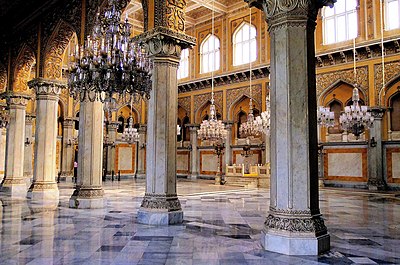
{"x": 193, "y": 127}
{"x": 113, "y": 125}
{"x": 47, "y": 88}
{"x": 29, "y": 119}
{"x": 164, "y": 42}
{"x": 378, "y": 112}
{"x": 277, "y": 10}
{"x": 228, "y": 124}
{"x": 69, "y": 122}
{"x": 142, "y": 128}
{"x": 15, "y": 100}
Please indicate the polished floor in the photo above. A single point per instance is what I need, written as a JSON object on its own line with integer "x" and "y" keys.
{"x": 222, "y": 225}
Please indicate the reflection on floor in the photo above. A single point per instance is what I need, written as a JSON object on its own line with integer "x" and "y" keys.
{"x": 222, "y": 226}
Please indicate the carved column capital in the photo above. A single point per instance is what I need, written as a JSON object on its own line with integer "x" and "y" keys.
{"x": 193, "y": 127}
{"x": 29, "y": 119}
{"x": 377, "y": 112}
{"x": 113, "y": 125}
{"x": 228, "y": 125}
{"x": 15, "y": 100}
{"x": 164, "y": 42}
{"x": 142, "y": 129}
{"x": 69, "y": 122}
{"x": 47, "y": 89}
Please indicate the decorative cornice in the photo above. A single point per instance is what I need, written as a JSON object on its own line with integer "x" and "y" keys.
{"x": 29, "y": 119}
{"x": 377, "y": 112}
{"x": 15, "y": 99}
{"x": 193, "y": 127}
{"x": 69, "y": 122}
{"x": 113, "y": 125}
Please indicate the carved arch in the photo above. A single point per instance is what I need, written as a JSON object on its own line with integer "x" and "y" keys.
{"x": 244, "y": 96}
{"x": 384, "y": 98}
{"x": 135, "y": 112}
{"x": 26, "y": 59}
{"x": 335, "y": 85}
{"x": 55, "y": 49}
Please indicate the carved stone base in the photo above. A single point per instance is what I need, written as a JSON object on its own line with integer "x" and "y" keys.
{"x": 87, "y": 198}
{"x": 160, "y": 209}
{"x": 66, "y": 176}
{"x": 295, "y": 232}
{"x": 295, "y": 245}
{"x": 15, "y": 188}
{"x": 44, "y": 193}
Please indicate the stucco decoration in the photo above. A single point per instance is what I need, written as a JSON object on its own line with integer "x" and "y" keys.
{"x": 22, "y": 71}
{"x": 54, "y": 52}
{"x": 233, "y": 95}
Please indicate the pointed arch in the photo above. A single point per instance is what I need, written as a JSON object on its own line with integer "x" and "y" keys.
{"x": 244, "y": 44}
{"x": 26, "y": 59}
{"x": 388, "y": 90}
{"x": 238, "y": 101}
{"x": 323, "y": 97}
{"x": 204, "y": 110}
{"x": 55, "y": 49}
{"x": 210, "y": 54}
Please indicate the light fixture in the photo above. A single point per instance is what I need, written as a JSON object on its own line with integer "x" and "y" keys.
{"x": 356, "y": 118}
{"x": 178, "y": 129}
{"x": 4, "y": 116}
{"x": 130, "y": 134}
{"x": 263, "y": 122}
{"x": 250, "y": 128}
{"x": 109, "y": 62}
{"x": 325, "y": 117}
{"x": 213, "y": 130}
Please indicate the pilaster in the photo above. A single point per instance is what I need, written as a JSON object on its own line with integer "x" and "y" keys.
{"x": 194, "y": 153}
{"x": 141, "y": 169}
{"x": 89, "y": 191}
{"x": 294, "y": 225}
{"x": 14, "y": 183}
{"x": 44, "y": 186}
{"x": 160, "y": 204}
{"x": 376, "y": 180}
{"x": 28, "y": 149}
{"x": 67, "y": 158}
{"x": 112, "y": 137}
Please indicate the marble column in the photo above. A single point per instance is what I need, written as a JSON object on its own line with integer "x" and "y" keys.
{"x": 294, "y": 225}
{"x": 89, "y": 191}
{"x": 376, "y": 179}
{"x": 112, "y": 138}
{"x": 228, "y": 144}
{"x": 44, "y": 186}
{"x": 194, "y": 153}
{"x": 14, "y": 183}
{"x": 141, "y": 169}
{"x": 28, "y": 149}
{"x": 67, "y": 157}
{"x": 160, "y": 205}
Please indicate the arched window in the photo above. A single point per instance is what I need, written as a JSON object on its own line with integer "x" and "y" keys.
{"x": 121, "y": 124}
{"x": 340, "y": 23}
{"x": 392, "y": 14}
{"x": 183, "y": 70}
{"x": 395, "y": 112}
{"x": 244, "y": 44}
{"x": 209, "y": 54}
{"x": 336, "y": 107}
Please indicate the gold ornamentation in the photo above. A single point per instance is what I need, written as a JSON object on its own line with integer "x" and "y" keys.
{"x": 232, "y": 95}
{"x": 3, "y": 79}
{"x": 185, "y": 103}
{"x": 392, "y": 71}
{"x": 55, "y": 51}
{"x": 25, "y": 61}
{"x": 201, "y": 100}
{"x": 176, "y": 15}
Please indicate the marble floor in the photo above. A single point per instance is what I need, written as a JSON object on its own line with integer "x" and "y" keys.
{"x": 222, "y": 225}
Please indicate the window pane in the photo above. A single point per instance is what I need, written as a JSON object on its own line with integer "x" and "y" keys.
{"x": 352, "y": 25}
{"x": 253, "y": 50}
{"x": 351, "y": 5}
{"x": 341, "y": 28}
{"x": 329, "y": 31}
{"x": 328, "y": 11}
{"x": 340, "y": 6}
{"x": 392, "y": 15}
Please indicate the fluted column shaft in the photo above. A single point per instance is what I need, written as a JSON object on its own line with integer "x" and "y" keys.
{"x": 194, "y": 153}
{"x": 141, "y": 169}
{"x": 89, "y": 192}
{"x": 13, "y": 183}
{"x": 67, "y": 158}
{"x": 44, "y": 186}
{"x": 294, "y": 225}
{"x": 28, "y": 150}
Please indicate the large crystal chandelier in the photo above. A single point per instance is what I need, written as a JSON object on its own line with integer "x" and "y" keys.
{"x": 356, "y": 118}
{"x": 325, "y": 117}
{"x": 109, "y": 62}
{"x": 250, "y": 128}
{"x": 130, "y": 134}
{"x": 263, "y": 122}
{"x": 4, "y": 116}
{"x": 212, "y": 130}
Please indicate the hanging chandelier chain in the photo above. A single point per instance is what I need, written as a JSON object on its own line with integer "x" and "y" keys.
{"x": 250, "y": 66}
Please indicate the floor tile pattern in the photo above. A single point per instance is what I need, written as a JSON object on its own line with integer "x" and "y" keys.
{"x": 222, "y": 225}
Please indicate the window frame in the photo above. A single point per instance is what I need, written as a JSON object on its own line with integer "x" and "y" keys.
{"x": 183, "y": 69}
{"x": 386, "y": 13}
{"x": 246, "y": 40}
{"x": 210, "y": 52}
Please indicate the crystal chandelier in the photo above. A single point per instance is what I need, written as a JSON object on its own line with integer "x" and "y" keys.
{"x": 212, "y": 130}
{"x": 130, "y": 134}
{"x": 109, "y": 62}
{"x": 325, "y": 117}
{"x": 4, "y": 117}
{"x": 356, "y": 118}
{"x": 263, "y": 122}
{"x": 251, "y": 127}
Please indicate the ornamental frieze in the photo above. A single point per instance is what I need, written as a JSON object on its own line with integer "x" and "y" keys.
{"x": 3, "y": 79}
{"x": 22, "y": 73}
{"x": 325, "y": 80}
{"x": 90, "y": 193}
{"x": 168, "y": 202}
{"x": 176, "y": 15}
{"x": 392, "y": 70}
{"x": 313, "y": 224}
{"x": 233, "y": 95}
{"x": 185, "y": 103}
{"x": 201, "y": 100}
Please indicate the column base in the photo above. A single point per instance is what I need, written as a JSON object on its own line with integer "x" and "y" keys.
{"x": 193, "y": 176}
{"x": 87, "y": 199}
{"x": 15, "y": 188}
{"x": 44, "y": 193}
{"x": 295, "y": 245}
{"x": 67, "y": 177}
{"x": 160, "y": 209}
{"x": 377, "y": 185}
{"x": 141, "y": 175}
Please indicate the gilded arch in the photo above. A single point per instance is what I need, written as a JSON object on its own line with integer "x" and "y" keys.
{"x": 22, "y": 72}
{"x": 3, "y": 78}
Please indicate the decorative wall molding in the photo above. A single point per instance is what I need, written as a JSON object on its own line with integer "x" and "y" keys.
{"x": 185, "y": 103}
{"x": 201, "y": 100}
{"x": 169, "y": 202}
{"x": 234, "y": 94}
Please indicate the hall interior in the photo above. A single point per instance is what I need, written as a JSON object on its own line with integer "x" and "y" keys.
{"x": 135, "y": 180}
